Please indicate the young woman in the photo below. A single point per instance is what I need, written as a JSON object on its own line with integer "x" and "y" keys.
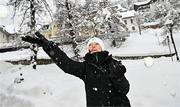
{"x": 104, "y": 77}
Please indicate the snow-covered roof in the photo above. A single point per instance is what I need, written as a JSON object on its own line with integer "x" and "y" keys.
{"x": 168, "y": 21}
{"x": 105, "y": 11}
{"x": 128, "y": 14}
{"x": 143, "y": 2}
{"x": 4, "y": 31}
{"x": 121, "y": 8}
{"x": 150, "y": 23}
{"x": 143, "y": 5}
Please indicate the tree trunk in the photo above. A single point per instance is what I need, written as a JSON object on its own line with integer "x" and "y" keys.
{"x": 72, "y": 34}
{"x": 172, "y": 39}
{"x": 33, "y": 47}
{"x": 139, "y": 29}
{"x": 169, "y": 46}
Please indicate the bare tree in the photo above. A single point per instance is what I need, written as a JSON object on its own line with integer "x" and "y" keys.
{"x": 29, "y": 9}
{"x": 168, "y": 13}
{"x": 70, "y": 18}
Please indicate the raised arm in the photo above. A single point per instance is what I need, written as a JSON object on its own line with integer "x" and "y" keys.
{"x": 63, "y": 61}
{"x": 57, "y": 55}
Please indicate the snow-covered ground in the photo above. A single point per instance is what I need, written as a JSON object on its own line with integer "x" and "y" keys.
{"x": 48, "y": 86}
{"x": 149, "y": 43}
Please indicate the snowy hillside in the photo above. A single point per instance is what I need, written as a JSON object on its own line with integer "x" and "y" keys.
{"x": 48, "y": 86}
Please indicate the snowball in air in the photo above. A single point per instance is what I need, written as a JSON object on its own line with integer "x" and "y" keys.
{"x": 148, "y": 61}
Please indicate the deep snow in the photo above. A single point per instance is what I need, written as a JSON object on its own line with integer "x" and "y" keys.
{"x": 48, "y": 86}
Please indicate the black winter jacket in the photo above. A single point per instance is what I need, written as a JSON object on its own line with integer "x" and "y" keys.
{"x": 105, "y": 82}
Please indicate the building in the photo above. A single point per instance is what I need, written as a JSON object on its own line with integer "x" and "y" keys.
{"x": 129, "y": 19}
{"x": 143, "y": 5}
{"x": 86, "y": 31}
{"x": 50, "y": 30}
{"x": 153, "y": 25}
{"x": 6, "y": 37}
{"x": 104, "y": 3}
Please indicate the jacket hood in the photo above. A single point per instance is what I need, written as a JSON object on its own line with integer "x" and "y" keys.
{"x": 98, "y": 58}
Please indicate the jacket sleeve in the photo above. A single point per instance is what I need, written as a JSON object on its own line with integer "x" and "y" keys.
{"x": 63, "y": 61}
{"x": 117, "y": 77}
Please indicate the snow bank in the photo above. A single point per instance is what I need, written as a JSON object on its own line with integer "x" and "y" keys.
{"x": 47, "y": 86}
{"x": 4, "y": 66}
{"x": 156, "y": 86}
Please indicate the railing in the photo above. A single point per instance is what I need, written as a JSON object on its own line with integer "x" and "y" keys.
{"x": 136, "y": 57}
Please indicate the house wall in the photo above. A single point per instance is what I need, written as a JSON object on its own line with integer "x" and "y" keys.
{"x": 130, "y": 24}
{"x": 3, "y": 38}
{"x": 85, "y": 31}
{"x": 51, "y": 31}
{"x": 55, "y": 28}
{"x": 47, "y": 34}
{"x": 6, "y": 37}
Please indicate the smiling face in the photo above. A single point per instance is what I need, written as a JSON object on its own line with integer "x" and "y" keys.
{"x": 94, "y": 47}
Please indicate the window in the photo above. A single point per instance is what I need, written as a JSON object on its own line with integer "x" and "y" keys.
{"x": 131, "y": 20}
{"x": 133, "y": 28}
{"x": 58, "y": 25}
{"x": 125, "y": 21}
{"x": 45, "y": 27}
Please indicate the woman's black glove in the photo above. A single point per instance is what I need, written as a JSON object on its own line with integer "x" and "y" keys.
{"x": 39, "y": 39}
{"x": 117, "y": 69}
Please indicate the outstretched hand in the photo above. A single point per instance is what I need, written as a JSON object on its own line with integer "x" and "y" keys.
{"x": 39, "y": 39}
